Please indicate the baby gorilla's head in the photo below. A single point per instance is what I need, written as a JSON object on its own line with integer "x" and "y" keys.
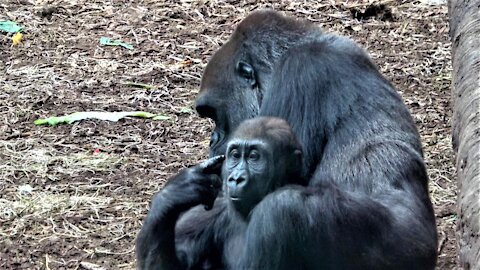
{"x": 262, "y": 155}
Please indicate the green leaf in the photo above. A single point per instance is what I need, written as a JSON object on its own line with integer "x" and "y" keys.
{"x": 161, "y": 117}
{"x": 107, "y": 116}
{"x": 142, "y": 114}
{"x": 186, "y": 110}
{"x": 10, "y": 27}
{"x": 109, "y": 42}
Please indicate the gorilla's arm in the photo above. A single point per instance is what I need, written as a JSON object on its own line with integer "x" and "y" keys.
{"x": 157, "y": 241}
{"x": 367, "y": 206}
{"x": 328, "y": 228}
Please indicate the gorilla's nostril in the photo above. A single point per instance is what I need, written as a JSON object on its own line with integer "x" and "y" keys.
{"x": 239, "y": 180}
{"x": 207, "y": 111}
{"x": 236, "y": 179}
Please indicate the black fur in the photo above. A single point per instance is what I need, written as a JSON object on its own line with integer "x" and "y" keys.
{"x": 367, "y": 204}
{"x": 180, "y": 234}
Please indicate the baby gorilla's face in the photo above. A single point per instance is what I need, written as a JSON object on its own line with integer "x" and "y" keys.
{"x": 248, "y": 173}
{"x": 262, "y": 156}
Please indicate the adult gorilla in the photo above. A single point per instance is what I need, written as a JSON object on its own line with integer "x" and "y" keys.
{"x": 361, "y": 147}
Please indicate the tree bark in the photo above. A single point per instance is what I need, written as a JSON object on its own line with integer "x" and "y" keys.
{"x": 465, "y": 35}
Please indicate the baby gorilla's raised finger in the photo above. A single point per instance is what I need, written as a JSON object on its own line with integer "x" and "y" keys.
{"x": 212, "y": 165}
{"x": 215, "y": 186}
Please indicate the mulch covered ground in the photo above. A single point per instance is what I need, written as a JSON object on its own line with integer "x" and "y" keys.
{"x": 74, "y": 196}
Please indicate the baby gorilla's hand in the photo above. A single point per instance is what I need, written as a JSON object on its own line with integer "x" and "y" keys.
{"x": 213, "y": 167}
{"x": 196, "y": 185}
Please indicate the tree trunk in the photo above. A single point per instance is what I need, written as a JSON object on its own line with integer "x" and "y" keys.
{"x": 465, "y": 35}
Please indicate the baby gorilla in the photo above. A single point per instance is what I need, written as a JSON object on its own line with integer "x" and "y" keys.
{"x": 262, "y": 156}
{"x": 178, "y": 233}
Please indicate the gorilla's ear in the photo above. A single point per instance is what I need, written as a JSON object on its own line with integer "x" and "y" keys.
{"x": 246, "y": 71}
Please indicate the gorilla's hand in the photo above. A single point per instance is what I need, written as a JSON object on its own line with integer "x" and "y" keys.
{"x": 199, "y": 184}
{"x": 196, "y": 185}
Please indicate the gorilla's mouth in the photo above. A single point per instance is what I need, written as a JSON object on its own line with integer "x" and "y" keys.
{"x": 234, "y": 195}
{"x": 217, "y": 142}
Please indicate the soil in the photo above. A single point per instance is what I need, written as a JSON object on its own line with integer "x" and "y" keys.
{"x": 74, "y": 196}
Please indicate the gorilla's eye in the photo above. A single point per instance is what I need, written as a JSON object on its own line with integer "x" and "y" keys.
{"x": 254, "y": 155}
{"x": 246, "y": 71}
{"x": 234, "y": 153}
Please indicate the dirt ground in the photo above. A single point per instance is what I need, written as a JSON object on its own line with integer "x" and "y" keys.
{"x": 74, "y": 196}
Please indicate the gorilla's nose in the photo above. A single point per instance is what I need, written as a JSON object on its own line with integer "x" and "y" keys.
{"x": 236, "y": 179}
{"x": 204, "y": 107}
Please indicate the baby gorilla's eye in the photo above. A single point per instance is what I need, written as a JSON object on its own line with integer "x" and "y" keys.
{"x": 254, "y": 155}
{"x": 235, "y": 154}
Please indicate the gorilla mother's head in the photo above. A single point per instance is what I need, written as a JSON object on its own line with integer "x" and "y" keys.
{"x": 239, "y": 73}
{"x": 324, "y": 85}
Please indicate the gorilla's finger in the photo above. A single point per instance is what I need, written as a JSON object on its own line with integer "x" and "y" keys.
{"x": 212, "y": 165}
{"x": 213, "y": 193}
{"x": 214, "y": 190}
{"x": 216, "y": 182}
